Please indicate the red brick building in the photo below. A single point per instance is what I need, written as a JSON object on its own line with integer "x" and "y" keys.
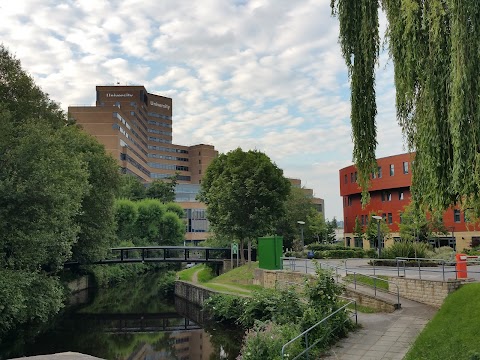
{"x": 390, "y": 193}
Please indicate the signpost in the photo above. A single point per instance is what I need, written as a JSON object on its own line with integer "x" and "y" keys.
{"x": 234, "y": 251}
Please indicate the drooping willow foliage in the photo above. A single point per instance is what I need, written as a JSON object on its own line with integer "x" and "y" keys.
{"x": 435, "y": 47}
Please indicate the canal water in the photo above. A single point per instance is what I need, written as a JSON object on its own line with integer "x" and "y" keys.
{"x": 129, "y": 322}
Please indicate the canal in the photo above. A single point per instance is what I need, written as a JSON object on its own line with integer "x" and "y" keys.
{"x": 129, "y": 322}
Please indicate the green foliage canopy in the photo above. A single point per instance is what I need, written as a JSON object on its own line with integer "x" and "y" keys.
{"x": 434, "y": 46}
{"x": 244, "y": 193}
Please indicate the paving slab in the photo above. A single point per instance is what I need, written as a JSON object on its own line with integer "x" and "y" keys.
{"x": 384, "y": 336}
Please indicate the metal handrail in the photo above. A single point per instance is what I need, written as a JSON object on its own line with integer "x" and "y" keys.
{"x": 305, "y": 333}
{"x": 375, "y": 279}
{"x": 337, "y": 276}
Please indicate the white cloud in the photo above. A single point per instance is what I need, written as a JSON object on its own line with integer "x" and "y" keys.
{"x": 264, "y": 74}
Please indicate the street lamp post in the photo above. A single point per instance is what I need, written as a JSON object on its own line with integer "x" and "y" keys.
{"x": 301, "y": 223}
{"x": 378, "y": 218}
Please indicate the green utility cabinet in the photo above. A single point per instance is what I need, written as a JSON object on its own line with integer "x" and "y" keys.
{"x": 270, "y": 251}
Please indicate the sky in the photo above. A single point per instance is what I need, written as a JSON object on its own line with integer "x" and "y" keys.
{"x": 256, "y": 74}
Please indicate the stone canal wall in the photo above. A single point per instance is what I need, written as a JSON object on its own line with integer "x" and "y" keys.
{"x": 194, "y": 293}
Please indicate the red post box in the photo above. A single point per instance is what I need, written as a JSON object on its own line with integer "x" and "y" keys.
{"x": 461, "y": 266}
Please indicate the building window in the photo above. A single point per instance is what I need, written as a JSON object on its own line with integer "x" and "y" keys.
{"x": 356, "y": 176}
{"x": 345, "y": 179}
{"x": 379, "y": 172}
{"x": 351, "y": 178}
{"x": 358, "y": 242}
{"x": 374, "y": 175}
{"x": 349, "y": 201}
{"x": 200, "y": 171}
{"x": 384, "y": 216}
{"x": 362, "y": 220}
{"x": 400, "y": 195}
{"x": 392, "y": 169}
{"x": 405, "y": 167}
{"x": 347, "y": 241}
{"x": 456, "y": 215}
{"x": 401, "y": 214}
{"x": 390, "y": 218}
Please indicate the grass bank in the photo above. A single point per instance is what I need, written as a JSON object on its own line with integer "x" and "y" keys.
{"x": 238, "y": 280}
{"x": 453, "y": 332}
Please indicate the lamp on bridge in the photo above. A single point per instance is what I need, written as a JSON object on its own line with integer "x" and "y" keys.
{"x": 379, "y": 241}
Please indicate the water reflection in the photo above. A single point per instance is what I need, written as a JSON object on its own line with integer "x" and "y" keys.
{"x": 121, "y": 324}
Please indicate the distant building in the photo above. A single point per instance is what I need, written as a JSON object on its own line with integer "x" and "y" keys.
{"x": 317, "y": 202}
{"x": 389, "y": 194}
{"x": 136, "y": 126}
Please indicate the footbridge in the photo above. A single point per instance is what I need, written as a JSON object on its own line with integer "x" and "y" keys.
{"x": 165, "y": 254}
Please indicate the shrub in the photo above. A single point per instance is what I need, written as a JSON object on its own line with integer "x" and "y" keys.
{"x": 265, "y": 340}
{"x": 322, "y": 247}
{"x": 445, "y": 253}
{"x": 225, "y": 308}
{"x": 281, "y": 306}
{"x": 406, "y": 249}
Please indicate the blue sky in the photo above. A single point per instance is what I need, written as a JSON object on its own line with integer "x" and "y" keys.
{"x": 265, "y": 75}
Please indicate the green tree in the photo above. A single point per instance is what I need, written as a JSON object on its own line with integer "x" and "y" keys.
{"x": 297, "y": 208}
{"x": 52, "y": 197}
{"x": 149, "y": 222}
{"x": 417, "y": 226}
{"x": 131, "y": 188}
{"x": 330, "y": 232}
{"x": 371, "y": 230}
{"x": 316, "y": 225}
{"x": 244, "y": 193}
{"x": 434, "y": 46}
{"x": 358, "y": 229}
{"x": 162, "y": 190}
{"x": 96, "y": 221}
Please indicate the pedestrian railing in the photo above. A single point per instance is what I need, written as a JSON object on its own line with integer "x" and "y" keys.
{"x": 307, "y": 337}
{"x": 308, "y": 266}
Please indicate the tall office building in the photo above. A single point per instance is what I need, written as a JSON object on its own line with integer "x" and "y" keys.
{"x": 136, "y": 128}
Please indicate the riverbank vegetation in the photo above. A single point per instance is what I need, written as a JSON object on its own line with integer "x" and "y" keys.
{"x": 273, "y": 317}
{"x": 459, "y": 314}
{"x": 59, "y": 202}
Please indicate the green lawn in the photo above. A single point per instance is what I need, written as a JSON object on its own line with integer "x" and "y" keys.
{"x": 454, "y": 331}
{"x": 242, "y": 274}
{"x": 187, "y": 274}
{"x": 362, "y": 279}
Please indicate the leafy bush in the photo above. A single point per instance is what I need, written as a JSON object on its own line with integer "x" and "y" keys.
{"x": 445, "y": 253}
{"x": 225, "y": 308}
{"x": 265, "y": 340}
{"x": 322, "y": 247}
{"x": 281, "y": 306}
{"x": 406, "y": 249}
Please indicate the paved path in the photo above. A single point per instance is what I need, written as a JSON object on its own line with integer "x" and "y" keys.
{"x": 384, "y": 335}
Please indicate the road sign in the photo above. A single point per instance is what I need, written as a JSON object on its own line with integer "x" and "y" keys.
{"x": 235, "y": 248}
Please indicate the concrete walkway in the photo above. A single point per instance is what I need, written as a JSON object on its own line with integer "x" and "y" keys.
{"x": 384, "y": 335}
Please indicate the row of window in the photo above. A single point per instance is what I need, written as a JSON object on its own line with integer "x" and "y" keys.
{"x": 167, "y": 157}
{"x": 160, "y": 132}
{"x": 354, "y": 175}
{"x": 123, "y": 121}
{"x": 124, "y": 144}
{"x": 129, "y": 137}
{"x": 387, "y": 195}
{"x": 153, "y": 122}
{"x": 160, "y": 116}
{"x": 167, "y": 149}
{"x": 151, "y": 138}
{"x": 166, "y": 176}
{"x": 134, "y": 163}
{"x": 134, "y": 114}
{"x": 168, "y": 166}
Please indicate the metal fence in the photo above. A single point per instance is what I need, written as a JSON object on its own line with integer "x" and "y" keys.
{"x": 307, "y": 341}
